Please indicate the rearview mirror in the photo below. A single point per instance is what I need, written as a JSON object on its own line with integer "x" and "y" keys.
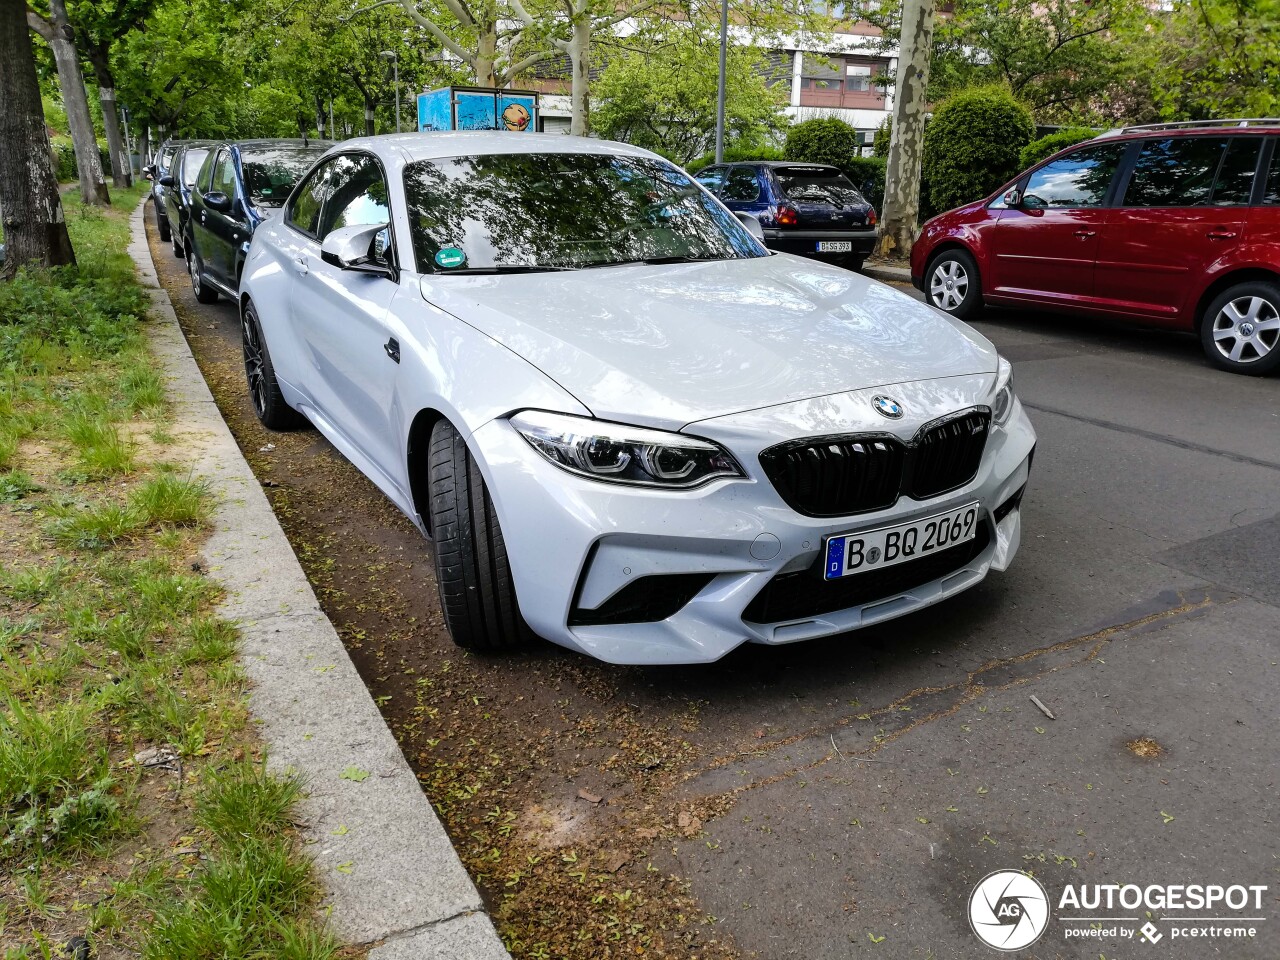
{"x": 166, "y": 181}
{"x": 217, "y": 200}
{"x": 752, "y": 223}
{"x": 361, "y": 248}
{"x": 1013, "y": 199}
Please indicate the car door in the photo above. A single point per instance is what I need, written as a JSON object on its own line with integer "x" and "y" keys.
{"x": 743, "y": 192}
{"x": 712, "y": 178}
{"x": 350, "y": 346}
{"x": 1184, "y": 206}
{"x": 225, "y": 228}
{"x": 1044, "y": 249}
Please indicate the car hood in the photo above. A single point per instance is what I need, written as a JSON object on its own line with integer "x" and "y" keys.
{"x": 668, "y": 345}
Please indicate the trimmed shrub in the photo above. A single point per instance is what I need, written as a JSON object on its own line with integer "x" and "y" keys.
{"x": 973, "y": 145}
{"x": 1047, "y": 146}
{"x": 822, "y": 140}
{"x": 867, "y": 174}
{"x": 735, "y": 155}
{"x": 884, "y": 133}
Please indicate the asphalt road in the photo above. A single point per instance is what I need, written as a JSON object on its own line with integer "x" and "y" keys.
{"x": 854, "y": 790}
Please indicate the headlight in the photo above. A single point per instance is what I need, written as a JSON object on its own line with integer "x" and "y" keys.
{"x": 617, "y": 453}
{"x": 1002, "y": 405}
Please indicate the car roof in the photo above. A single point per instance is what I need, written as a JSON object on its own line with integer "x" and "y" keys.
{"x": 267, "y": 143}
{"x": 1191, "y": 128}
{"x": 437, "y": 145}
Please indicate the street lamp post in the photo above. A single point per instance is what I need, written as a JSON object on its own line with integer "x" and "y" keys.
{"x": 394, "y": 57}
{"x": 724, "y": 46}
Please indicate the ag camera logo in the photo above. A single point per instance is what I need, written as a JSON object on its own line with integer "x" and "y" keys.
{"x": 1008, "y": 910}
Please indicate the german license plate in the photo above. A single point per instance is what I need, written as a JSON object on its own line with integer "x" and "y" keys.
{"x": 835, "y": 246}
{"x": 851, "y": 553}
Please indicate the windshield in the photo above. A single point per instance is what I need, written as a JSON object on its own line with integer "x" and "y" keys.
{"x": 563, "y": 211}
{"x": 192, "y": 161}
{"x": 816, "y": 185}
{"x": 271, "y": 174}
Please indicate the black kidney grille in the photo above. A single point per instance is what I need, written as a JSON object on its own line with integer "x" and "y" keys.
{"x": 948, "y": 455}
{"x": 796, "y": 596}
{"x": 840, "y": 476}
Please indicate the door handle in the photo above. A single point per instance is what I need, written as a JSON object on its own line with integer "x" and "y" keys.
{"x": 1220, "y": 233}
{"x": 1085, "y": 234}
{"x": 300, "y": 264}
{"x": 392, "y": 347}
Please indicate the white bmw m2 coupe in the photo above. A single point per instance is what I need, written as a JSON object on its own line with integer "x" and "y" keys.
{"x": 627, "y": 427}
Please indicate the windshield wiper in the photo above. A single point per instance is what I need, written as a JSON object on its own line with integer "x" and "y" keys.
{"x": 676, "y": 258}
{"x": 506, "y": 268}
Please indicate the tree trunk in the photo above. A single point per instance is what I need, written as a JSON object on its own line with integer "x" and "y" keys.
{"x": 580, "y": 67}
{"x": 144, "y": 141}
{"x": 121, "y": 169}
{"x": 58, "y": 33}
{"x": 486, "y": 53}
{"x": 370, "y": 115}
{"x": 898, "y": 225}
{"x": 34, "y": 227}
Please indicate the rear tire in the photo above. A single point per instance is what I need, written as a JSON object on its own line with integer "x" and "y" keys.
{"x": 477, "y": 593}
{"x": 204, "y": 293}
{"x": 260, "y": 376}
{"x": 952, "y": 284}
{"x": 1241, "y": 329}
{"x": 162, "y": 221}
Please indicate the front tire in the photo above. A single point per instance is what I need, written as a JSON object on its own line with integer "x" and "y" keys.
{"x": 162, "y": 221}
{"x": 204, "y": 293}
{"x": 260, "y": 375}
{"x": 1241, "y": 329}
{"x": 477, "y": 592}
{"x": 952, "y": 284}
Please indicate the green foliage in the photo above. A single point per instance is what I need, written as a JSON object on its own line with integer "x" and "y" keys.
{"x": 822, "y": 140}
{"x": 973, "y": 143}
{"x": 867, "y": 174}
{"x": 884, "y": 134}
{"x": 735, "y": 154}
{"x": 666, "y": 100}
{"x": 1048, "y": 145}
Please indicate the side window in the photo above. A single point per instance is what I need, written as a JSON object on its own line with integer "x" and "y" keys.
{"x": 1080, "y": 179}
{"x": 206, "y": 172}
{"x": 712, "y": 178}
{"x": 742, "y": 185}
{"x": 357, "y": 194}
{"x": 304, "y": 211}
{"x": 1234, "y": 185}
{"x": 224, "y": 176}
{"x": 1175, "y": 172}
{"x": 1271, "y": 189}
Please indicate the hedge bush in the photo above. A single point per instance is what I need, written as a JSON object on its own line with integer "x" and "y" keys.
{"x": 973, "y": 145}
{"x": 867, "y": 174}
{"x": 822, "y": 140}
{"x": 1048, "y": 145}
{"x": 65, "y": 160}
{"x": 884, "y": 134}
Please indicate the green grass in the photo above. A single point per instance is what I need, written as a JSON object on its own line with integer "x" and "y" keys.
{"x": 109, "y": 645}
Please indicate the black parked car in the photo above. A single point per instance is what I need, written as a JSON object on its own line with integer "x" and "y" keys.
{"x": 178, "y": 184}
{"x": 805, "y": 208}
{"x": 156, "y": 171}
{"x": 239, "y": 185}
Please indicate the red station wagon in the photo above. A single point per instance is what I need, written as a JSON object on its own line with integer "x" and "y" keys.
{"x": 1176, "y": 225}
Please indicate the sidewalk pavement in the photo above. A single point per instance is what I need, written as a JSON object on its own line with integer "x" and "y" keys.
{"x": 391, "y": 876}
{"x": 887, "y": 272}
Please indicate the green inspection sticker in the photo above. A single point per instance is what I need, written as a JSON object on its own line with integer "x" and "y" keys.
{"x": 450, "y": 257}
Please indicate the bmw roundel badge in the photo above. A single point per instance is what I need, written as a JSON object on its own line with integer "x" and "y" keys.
{"x": 887, "y": 407}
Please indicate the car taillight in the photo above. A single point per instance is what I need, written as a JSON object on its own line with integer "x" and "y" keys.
{"x": 871, "y": 217}
{"x": 787, "y": 216}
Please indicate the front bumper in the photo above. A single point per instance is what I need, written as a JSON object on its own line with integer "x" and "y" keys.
{"x": 574, "y": 544}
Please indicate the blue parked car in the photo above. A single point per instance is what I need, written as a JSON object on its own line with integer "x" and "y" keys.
{"x": 178, "y": 184}
{"x": 808, "y": 209}
{"x": 238, "y": 186}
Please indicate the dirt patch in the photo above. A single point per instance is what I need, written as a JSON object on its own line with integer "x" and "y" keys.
{"x": 1146, "y": 747}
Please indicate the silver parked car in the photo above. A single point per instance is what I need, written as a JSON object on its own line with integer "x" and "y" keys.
{"x": 627, "y": 427}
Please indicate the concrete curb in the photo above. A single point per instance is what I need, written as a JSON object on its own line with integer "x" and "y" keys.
{"x": 887, "y": 274}
{"x": 390, "y": 873}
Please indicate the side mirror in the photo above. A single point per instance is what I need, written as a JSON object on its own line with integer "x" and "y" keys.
{"x": 1013, "y": 199}
{"x": 361, "y": 248}
{"x": 217, "y": 200}
{"x": 166, "y": 181}
{"x": 752, "y": 223}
